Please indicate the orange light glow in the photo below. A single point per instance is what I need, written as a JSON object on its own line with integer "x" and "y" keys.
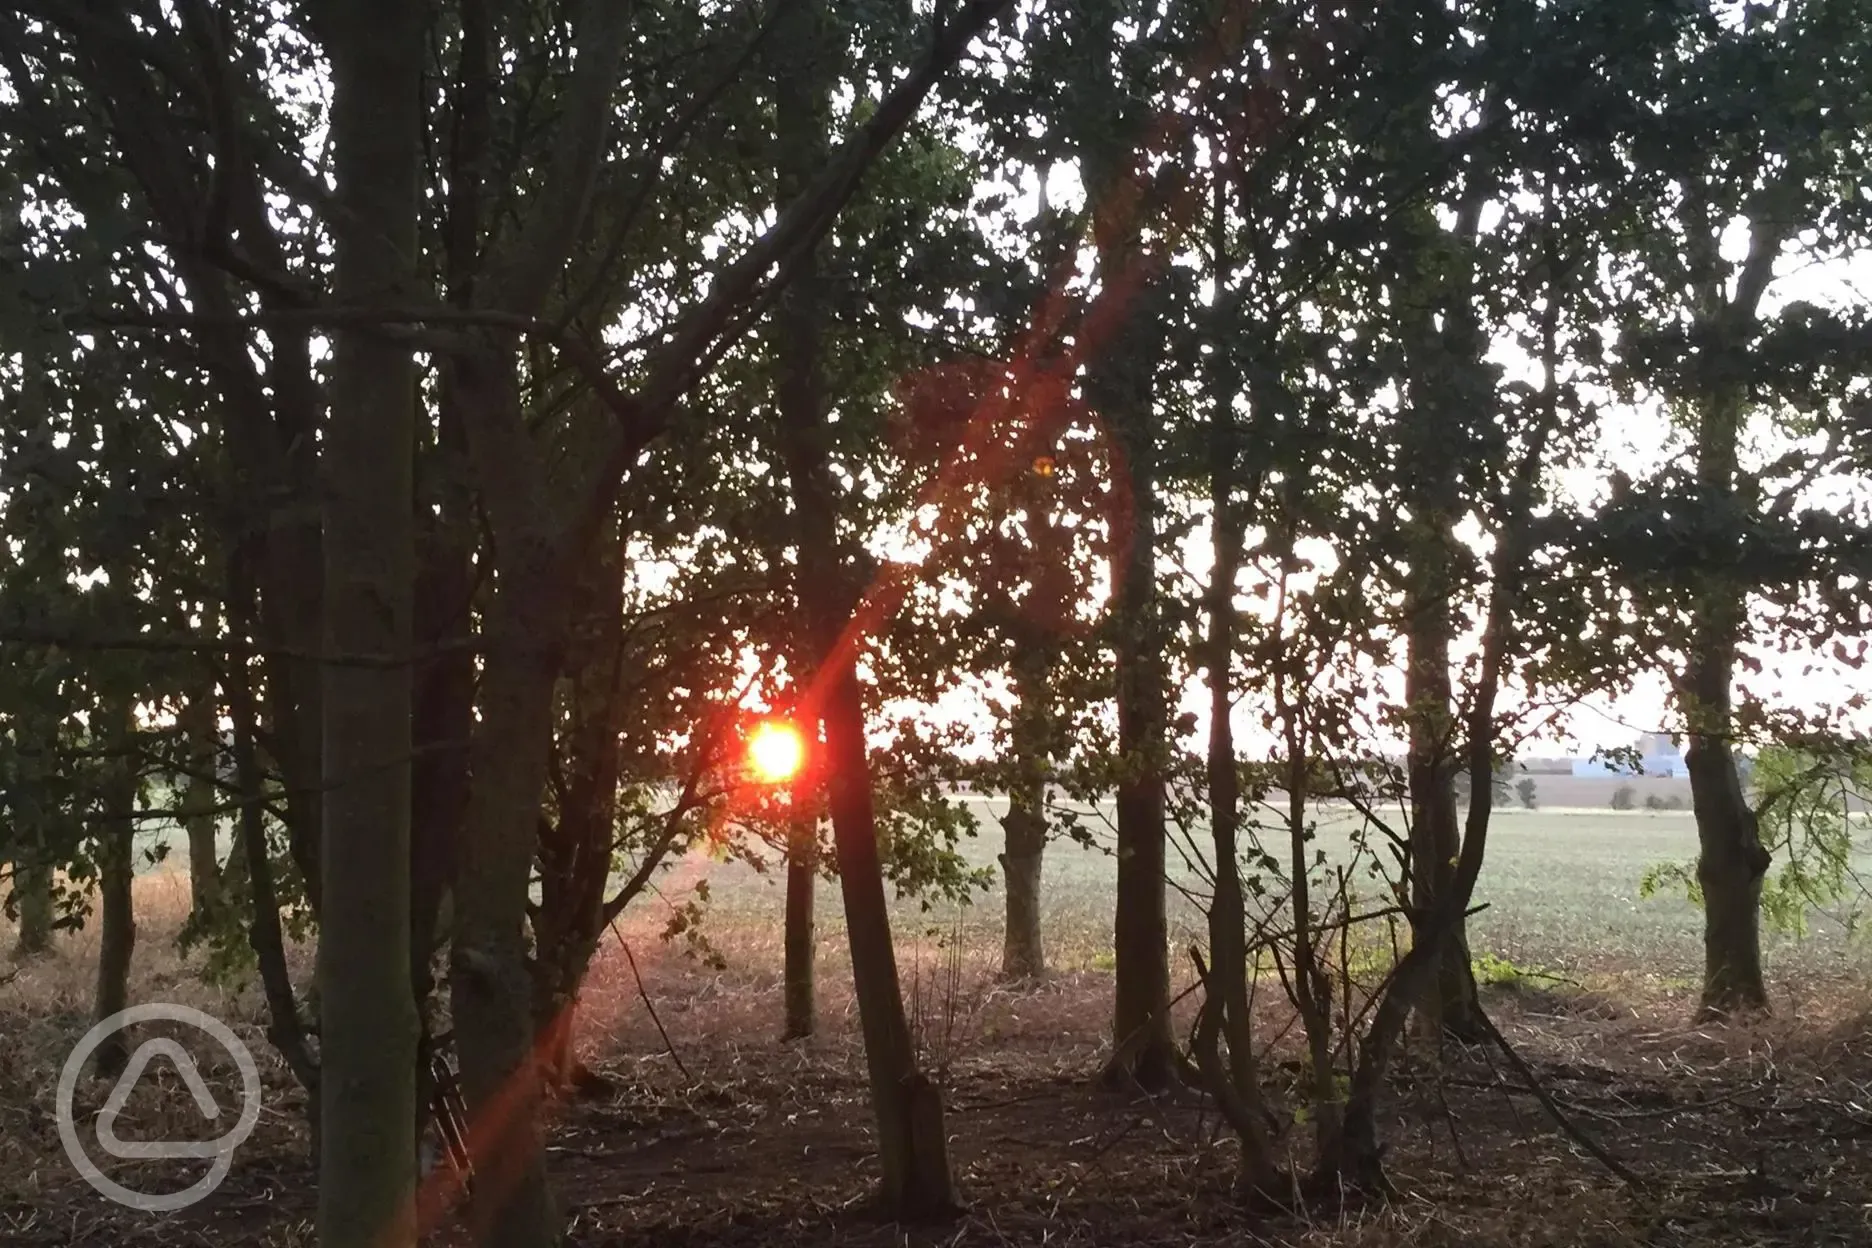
{"x": 776, "y": 752}
{"x": 1043, "y": 466}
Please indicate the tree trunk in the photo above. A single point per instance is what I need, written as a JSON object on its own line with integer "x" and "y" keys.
{"x": 117, "y": 938}
{"x": 802, "y": 72}
{"x": 1225, "y": 1014}
{"x": 1731, "y": 859}
{"x": 575, "y": 848}
{"x": 367, "y": 1083}
{"x": 1448, "y": 1004}
{"x": 801, "y": 940}
{"x": 251, "y": 859}
{"x": 32, "y": 898}
{"x": 1732, "y": 862}
{"x": 1023, "y": 952}
{"x": 491, "y": 988}
{"x": 116, "y": 861}
{"x": 250, "y": 862}
{"x": 1143, "y": 1049}
{"x": 912, "y": 1148}
{"x": 443, "y": 697}
{"x": 1445, "y": 397}
{"x": 294, "y": 573}
{"x": 199, "y": 798}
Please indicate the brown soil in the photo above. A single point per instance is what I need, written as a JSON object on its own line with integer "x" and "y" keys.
{"x": 1743, "y": 1136}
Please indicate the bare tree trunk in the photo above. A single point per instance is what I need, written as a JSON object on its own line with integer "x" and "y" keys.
{"x": 801, "y": 940}
{"x": 1353, "y": 1157}
{"x": 1449, "y": 1000}
{"x": 443, "y": 721}
{"x": 1023, "y": 951}
{"x": 1731, "y": 859}
{"x": 1731, "y": 864}
{"x": 912, "y": 1147}
{"x": 251, "y": 859}
{"x": 802, "y": 72}
{"x": 1225, "y": 1014}
{"x": 368, "y": 1024}
{"x": 1447, "y": 393}
{"x": 575, "y": 850}
{"x": 32, "y": 899}
{"x": 491, "y": 989}
{"x": 116, "y": 862}
{"x": 1143, "y": 1048}
{"x": 199, "y": 798}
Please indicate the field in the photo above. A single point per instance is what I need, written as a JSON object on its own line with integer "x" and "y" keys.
{"x": 1561, "y": 887}
{"x": 713, "y": 1132}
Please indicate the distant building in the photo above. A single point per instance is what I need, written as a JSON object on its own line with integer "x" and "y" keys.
{"x": 1659, "y": 756}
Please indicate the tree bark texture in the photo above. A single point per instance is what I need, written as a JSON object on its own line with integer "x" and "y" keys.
{"x": 1447, "y": 392}
{"x": 575, "y": 845}
{"x": 32, "y": 900}
{"x": 1023, "y": 950}
{"x": 801, "y": 74}
{"x": 1732, "y": 862}
{"x": 1225, "y": 1018}
{"x": 1119, "y": 382}
{"x": 367, "y": 1084}
{"x": 491, "y": 986}
{"x": 1126, "y": 322}
{"x": 801, "y": 938}
{"x": 1449, "y": 1000}
{"x": 199, "y": 799}
{"x": 116, "y": 862}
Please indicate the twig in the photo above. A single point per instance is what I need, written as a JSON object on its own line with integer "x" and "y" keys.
{"x": 1566, "y": 1124}
{"x": 643, "y": 995}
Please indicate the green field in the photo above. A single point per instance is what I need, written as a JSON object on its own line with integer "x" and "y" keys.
{"x": 1561, "y": 887}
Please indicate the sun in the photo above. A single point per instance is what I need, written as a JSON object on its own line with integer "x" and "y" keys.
{"x": 776, "y": 751}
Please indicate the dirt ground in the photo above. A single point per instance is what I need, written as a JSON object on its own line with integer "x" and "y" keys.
{"x": 1740, "y": 1136}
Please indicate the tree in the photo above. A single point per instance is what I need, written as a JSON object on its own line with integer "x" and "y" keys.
{"x": 1120, "y": 341}
{"x": 201, "y": 735}
{"x": 115, "y": 856}
{"x": 912, "y": 1145}
{"x": 367, "y": 1036}
{"x": 802, "y": 68}
{"x": 1700, "y": 335}
{"x": 1528, "y": 792}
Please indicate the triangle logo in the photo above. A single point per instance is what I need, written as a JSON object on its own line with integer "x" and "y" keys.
{"x": 144, "y": 1150}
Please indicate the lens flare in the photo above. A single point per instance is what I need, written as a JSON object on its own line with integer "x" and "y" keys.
{"x": 776, "y": 751}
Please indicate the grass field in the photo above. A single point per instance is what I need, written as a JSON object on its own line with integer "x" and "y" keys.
{"x": 1561, "y": 889}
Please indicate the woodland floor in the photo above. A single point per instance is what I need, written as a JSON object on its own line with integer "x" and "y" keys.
{"x": 1758, "y": 1135}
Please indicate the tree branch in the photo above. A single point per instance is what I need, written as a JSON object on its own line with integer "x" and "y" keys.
{"x": 672, "y": 367}
{"x": 523, "y": 279}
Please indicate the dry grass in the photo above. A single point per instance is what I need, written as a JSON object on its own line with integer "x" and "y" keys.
{"x": 1751, "y": 1135}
